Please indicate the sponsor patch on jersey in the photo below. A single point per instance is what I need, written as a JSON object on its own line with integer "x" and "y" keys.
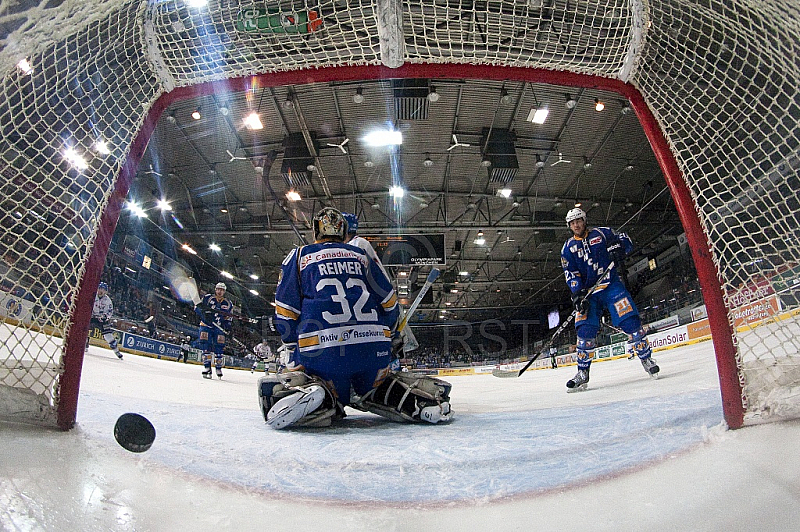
{"x": 330, "y": 254}
{"x": 595, "y": 240}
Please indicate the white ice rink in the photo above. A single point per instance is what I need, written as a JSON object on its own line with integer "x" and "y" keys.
{"x": 631, "y": 453}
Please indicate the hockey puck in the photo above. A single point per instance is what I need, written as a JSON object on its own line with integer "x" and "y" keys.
{"x": 134, "y": 432}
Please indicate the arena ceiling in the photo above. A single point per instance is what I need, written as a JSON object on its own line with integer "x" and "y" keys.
{"x": 227, "y": 183}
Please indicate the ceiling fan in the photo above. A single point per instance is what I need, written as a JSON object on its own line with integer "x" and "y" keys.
{"x": 234, "y": 158}
{"x": 561, "y": 159}
{"x": 457, "y": 144}
{"x": 340, "y": 146}
{"x": 152, "y": 171}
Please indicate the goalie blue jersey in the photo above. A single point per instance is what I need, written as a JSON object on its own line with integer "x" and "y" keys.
{"x": 585, "y": 260}
{"x": 333, "y": 295}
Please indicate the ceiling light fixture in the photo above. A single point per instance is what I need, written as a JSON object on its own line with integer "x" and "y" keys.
{"x": 586, "y": 163}
{"x": 598, "y": 105}
{"x": 570, "y": 103}
{"x": 538, "y": 116}
{"x": 293, "y": 195}
{"x": 433, "y": 96}
{"x": 196, "y": 114}
{"x": 253, "y": 121}
{"x": 358, "y": 97}
{"x": 396, "y": 191}
{"x": 539, "y": 161}
{"x": 505, "y": 97}
{"x": 427, "y": 162}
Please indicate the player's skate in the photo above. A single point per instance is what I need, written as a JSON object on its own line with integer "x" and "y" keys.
{"x": 118, "y": 353}
{"x": 207, "y": 373}
{"x": 579, "y": 382}
{"x": 650, "y": 366}
{"x": 219, "y": 373}
{"x": 295, "y": 406}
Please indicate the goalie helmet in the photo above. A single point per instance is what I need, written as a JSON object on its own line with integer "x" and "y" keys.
{"x": 575, "y": 214}
{"x": 221, "y": 285}
{"x": 329, "y": 224}
{"x": 352, "y": 223}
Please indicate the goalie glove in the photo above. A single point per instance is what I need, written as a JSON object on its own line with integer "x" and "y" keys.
{"x": 285, "y": 352}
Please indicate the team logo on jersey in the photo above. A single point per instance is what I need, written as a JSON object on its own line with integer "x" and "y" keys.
{"x": 623, "y": 306}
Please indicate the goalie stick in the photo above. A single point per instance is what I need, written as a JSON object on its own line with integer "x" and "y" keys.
{"x": 497, "y": 372}
{"x": 422, "y": 291}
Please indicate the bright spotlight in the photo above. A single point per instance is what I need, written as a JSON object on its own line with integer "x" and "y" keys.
{"x": 397, "y": 192}
{"x": 384, "y": 138}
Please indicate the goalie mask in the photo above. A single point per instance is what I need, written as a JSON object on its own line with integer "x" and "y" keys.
{"x": 329, "y": 224}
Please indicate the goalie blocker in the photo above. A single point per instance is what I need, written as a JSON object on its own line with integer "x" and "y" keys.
{"x": 297, "y": 399}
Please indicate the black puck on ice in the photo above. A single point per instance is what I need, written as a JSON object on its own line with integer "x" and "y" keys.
{"x": 134, "y": 432}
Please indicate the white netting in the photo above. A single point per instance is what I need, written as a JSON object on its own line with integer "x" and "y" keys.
{"x": 721, "y": 77}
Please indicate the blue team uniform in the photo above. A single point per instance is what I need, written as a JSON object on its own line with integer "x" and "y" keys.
{"x": 585, "y": 260}
{"x": 215, "y": 321}
{"x": 337, "y": 308}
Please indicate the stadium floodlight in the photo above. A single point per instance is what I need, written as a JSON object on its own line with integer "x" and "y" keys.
{"x": 397, "y": 192}
{"x": 504, "y": 192}
{"x": 136, "y": 209}
{"x": 101, "y": 147}
{"x": 226, "y": 274}
{"x": 253, "y": 122}
{"x": 75, "y": 159}
{"x": 254, "y": 277}
{"x": 384, "y": 137}
{"x": 188, "y": 249}
{"x": 538, "y": 116}
{"x": 214, "y": 247}
{"x": 293, "y": 195}
{"x": 253, "y": 292}
{"x": 163, "y": 205}
{"x": 25, "y": 66}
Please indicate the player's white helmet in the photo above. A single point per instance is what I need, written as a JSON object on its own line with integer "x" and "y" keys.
{"x": 329, "y": 224}
{"x": 221, "y": 285}
{"x": 575, "y": 214}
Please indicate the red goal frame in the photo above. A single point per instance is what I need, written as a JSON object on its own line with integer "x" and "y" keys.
{"x": 721, "y": 329}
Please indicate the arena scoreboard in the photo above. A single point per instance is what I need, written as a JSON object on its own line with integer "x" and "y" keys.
{"x": 408, "y": 249}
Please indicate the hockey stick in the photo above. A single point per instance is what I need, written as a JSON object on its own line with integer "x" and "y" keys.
{"x": 497, "y": 372}
{"x": 424, "y": 290}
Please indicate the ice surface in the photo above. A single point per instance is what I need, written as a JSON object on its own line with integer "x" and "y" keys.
{"x": 631, "y": 453}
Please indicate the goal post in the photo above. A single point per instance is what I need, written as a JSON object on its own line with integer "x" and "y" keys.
{"x": 715, "y": 86}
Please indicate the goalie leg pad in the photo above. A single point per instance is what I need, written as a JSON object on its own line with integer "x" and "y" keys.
{"x": 296, "y": 399}
{"x": 405, "y": 397}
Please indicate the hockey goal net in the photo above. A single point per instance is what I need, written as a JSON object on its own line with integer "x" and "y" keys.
{"x": 714, "y": 83}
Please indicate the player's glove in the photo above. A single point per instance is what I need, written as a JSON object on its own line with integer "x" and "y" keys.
{"x": 617, "y": 251}
{"x": 397, "y": 345}
{"x": 580, "y": 301}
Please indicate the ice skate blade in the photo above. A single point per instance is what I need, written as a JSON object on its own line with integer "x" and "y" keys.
{"x": 580, "y": 388}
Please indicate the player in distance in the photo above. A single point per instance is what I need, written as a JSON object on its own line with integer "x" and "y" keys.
{"x": 336, "y": 309}
{"x": 587, "y": 257}
{"x": 101, "y": 317}
{"x": 215, "y": 312}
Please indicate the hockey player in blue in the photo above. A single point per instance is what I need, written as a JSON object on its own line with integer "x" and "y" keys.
{"x": 215, "y": 312}
{"x": 336, "y": 311}
{"x": 588, "y": 262}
